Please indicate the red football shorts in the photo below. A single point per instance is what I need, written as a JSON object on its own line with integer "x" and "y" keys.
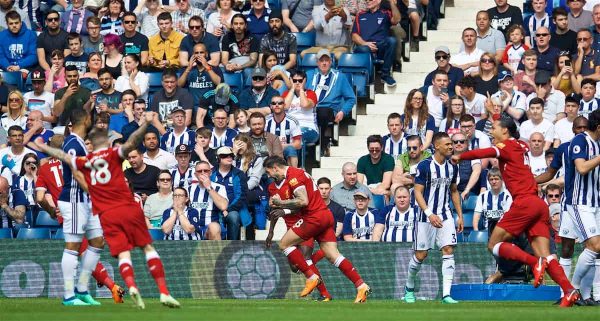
{"x": 317, "y": 225}
{"x": 124, "y": 229}
{"x": 290, "y": 220}
{"x": 527, "y": 214}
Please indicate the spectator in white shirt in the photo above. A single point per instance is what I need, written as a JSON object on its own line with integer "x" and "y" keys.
{"x": 537, "y": 157}
{"x": 537, "y": 123}
{"x": 39, "y": 99}
{"x": 156, "y": 156}
{"x": 474, "y": 101}
{"x": 468, "y": 58}
{"x": 553, "y": 100}
{"x": 437, "y": 96}
{"x": 332, "y": 25}
{"x": 133, "y": 78}
{"x": 563, "y": 129}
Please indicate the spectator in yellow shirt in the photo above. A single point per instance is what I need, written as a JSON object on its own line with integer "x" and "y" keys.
{"x": 164, "y": 46}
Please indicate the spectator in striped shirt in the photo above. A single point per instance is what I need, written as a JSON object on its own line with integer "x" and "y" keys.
{"x": 179, "y": 133}
{"x": 396, "y": 222}
{"x": 491, "y": 204}
{"x": 181, "y": 222}
{"x": 183, "y": 172}
{"x": 359, "y": 223}
{"x": 110, "y": 16}
{"x": 394, "y": 143}
{"x": 286, "y": 128}
{"x": 538, "y": 19}
{"x": 210, "y": 199}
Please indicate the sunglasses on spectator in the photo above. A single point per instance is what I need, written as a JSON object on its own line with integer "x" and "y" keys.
{"x": 374, "y": 150}
{"x": 164, "y": 180}
{"x": 52, "y": 19}
{"x": 258, "y": 0}
{"x": 412, "y": 148}
{"x": 440, "y": 57}
{"x": 226, "y": 156}
{"x": 14, "y": 100}
{"x": 258, "y": 78}
{"x": 542, "y": 34}
{"x": 487, "y": 60}
{"x": 583, "y": 39}
{"x": 203, "y": 171}
{"x": 459, "y": 141}
{"x": 297, "y": 81}
{"x": 129, "y": 22}
{"x": 31, "y": 163}
{"x": 553, "y": 195}
{"x": 195, "y": 27}
{"x": 277, "y": 103}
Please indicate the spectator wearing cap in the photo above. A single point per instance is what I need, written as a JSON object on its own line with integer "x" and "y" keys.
{"x": 222, "y": 135}
{"x": 236, "y": 185}
{"x": 539, "y": 19}
{"x": 178, "y": 133}
{"x": 17, "y": 48}
{"x": 279, "y": 41}
{"x": 343, "y": 192}
{"x": 587, "y": 60}
{"x": 155, "y": 155}
{"x": 536, "y": 155}
{"x": 141, "y": 176}
{"x": 335, "y": 97}
{"x": 163, "y": 48}
{"x": 71, "y": 97}
{"x": 546, "y": 54}
{"x": 135, "y": 115}
{"x": 489, "y": 39}
{"x": 202, "y": 150}
{"x": 183, "y": 172}
{"x": 578, "y": 17}
{"x": 504, "y": 15}
{"x": 265, "y": 143}
{"x": 240, "y": 47}
{"x": 514, "y": 101}
{"x": 286, "y": 128}
{"x": 39, "y": 99}
{"x": 257, "y": 98}
{"x": 563, "y": 37}
{"x": 563, "y": 128}
{"x": 360, "y": 222}
{"x": 219, "y": 98}
{"x": 52, "y": 38}
{"x": 332, "y": 25}
{"x": 257, "y": 18}
{"x": 442, "y": 59}
{"x": 468, "y": 57}
{"x": 197, "y": 35}
{"x": 199, "y": 77}
{"x": 170, "y": 96}
{"x": 554, "y": 100}
{"x": 588, "y": 102}
{"x": 537, "y": 123}
{"x": 370, "y": 34}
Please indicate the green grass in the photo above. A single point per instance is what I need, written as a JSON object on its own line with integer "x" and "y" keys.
{"x": 289, "y": 310}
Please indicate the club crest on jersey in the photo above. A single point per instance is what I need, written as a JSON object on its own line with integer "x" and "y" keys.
{"x": 500, "y": 145}
{"x": 293, "y": 182}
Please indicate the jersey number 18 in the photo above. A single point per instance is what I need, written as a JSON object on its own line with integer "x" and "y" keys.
{"x": 99, "y": 171}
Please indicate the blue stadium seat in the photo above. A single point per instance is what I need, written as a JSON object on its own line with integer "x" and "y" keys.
{"x": 13, "y": 78}
{"x": 28, "y": 85}
{"x": 274, "y": 4}
{"x": 34, "y": 233}
{"x": 44, "y": 220}
{"x": 154, "y": 82}
{"x": 359, "y": 67}
{"x": 308, "y": 62}
{"x": 305, "y": 40}
{"x": 470, "y": 203}
{"x": 235, "y": 81}
{"x": 156, "y": 234}
{"x": 460, "y": 237}
{"x": 59, "y": 235}
{"x": 6, "y": 233}
{"x": 468, "y": 220}
{"x": 478, "y": 237}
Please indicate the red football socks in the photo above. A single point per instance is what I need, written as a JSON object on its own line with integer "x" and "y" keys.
{"x": 317, "y": 256}
{"x": 512, "y": 252}
{"x": 349, "y": 271}
{"x": 102, "y": 276}
{"x": 321, "y": 287}
{"x": 296, "y": 258}
{"x": 158, "y": 273}
{"x": 557, "y": 274}
{"x": 126, "y": 270}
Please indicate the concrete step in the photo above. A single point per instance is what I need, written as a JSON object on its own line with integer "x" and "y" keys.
{"x": 396, "y": 100}
{"x": 384, "y": 109}
{"x": 445, "y": 35}
{"x": 414, "y": 78}
{"x": 334, "y": 174}
{"x": 336, "y": 162}
{"x": 483, "y": 4}
{"x": 469, "y": 13}
{"x": 419, "y": 65}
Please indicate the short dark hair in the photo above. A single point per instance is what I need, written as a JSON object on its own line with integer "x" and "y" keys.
{"x": 374, "y": 139}
{"x": 73, "y": 36}
{"x": 439, "y": 72}
{"x": 468, "y": 29}
{"x": 104, "y": 117}
{"x": 96, "y": 133}
{"x": 239, "y": 15}
{"x": 129, "y": 92}
{"x": 467, "y": 82}
{"x": 414, "y": 137}
{"x": 164, "y": 16}
{"x": 508, "y": 123}
{"x": 324, "y": 180}
{"x": 103, "y": 71}
{"x": 437, "y": 136}
{"x": 129, "y": 14}
{"x": 14, "y": 128}
{"x": 71, "y": 68}
{"x": 169, "y": 72}
{"x": 204, "y": 132}
{"x": 394, "y": 116}
{"x": 164, "y": 171}
{"x": 297, "y": 72}
{"x": 13, "y": 15}
{"x": 51, "y": 12}
{"x": 536, "y": 101}
{"x": 588, "y": 81}
{"x": 559, "y": 11}
{"x": 571, "y": 99}
{"x": 93, "y": 20}
{"x": 78, "y": 115}
{"x": 256, "y": 115}
{"x": 197, "y": 19}
{"x": 594, "y": 120}
{"x": 466, "y": 118}
{"x": 274, "y": 161}
{"x": 553, "y": 187}
{"x": 151, "y": 132}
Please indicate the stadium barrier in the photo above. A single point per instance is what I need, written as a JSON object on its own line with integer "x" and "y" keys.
{"x": 240, "y": 270}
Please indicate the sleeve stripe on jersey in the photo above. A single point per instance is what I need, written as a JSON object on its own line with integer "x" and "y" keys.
{"x": 497, "y": 151}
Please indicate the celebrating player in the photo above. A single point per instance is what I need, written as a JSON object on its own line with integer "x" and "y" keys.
{"x": 48, "y": 186}
{"x": 294, "y": 192}
{"x": 435, "y": 184}
{"x": 121, "y": 217}
{"x": 528, "y": 213}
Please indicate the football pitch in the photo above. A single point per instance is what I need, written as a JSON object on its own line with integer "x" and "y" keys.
{"x": 290, "y": 310}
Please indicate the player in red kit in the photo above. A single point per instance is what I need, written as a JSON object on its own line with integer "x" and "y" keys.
{"x": 120, "y": 216}
{"x": 302, "y": 197}
{"x": 48, "y": 186}
{"x": 528, "y": 213}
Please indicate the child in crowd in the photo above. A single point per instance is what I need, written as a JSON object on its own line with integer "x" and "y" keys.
{"x": 515, "y": 48}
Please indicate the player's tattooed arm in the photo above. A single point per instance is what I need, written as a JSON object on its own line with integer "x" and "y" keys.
{"x": 136, "y": 137}
{"x": 299, "y": 201}
{"x": 55, "y": 152}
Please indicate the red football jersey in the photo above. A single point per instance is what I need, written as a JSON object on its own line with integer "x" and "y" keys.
{"x": 103, "y": 173}
{"x": 50, "y": 178}
{"x": 296, "y": 178}
{"x": 514, "y": 166}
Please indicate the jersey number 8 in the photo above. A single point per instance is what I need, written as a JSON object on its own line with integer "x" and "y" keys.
{"x": 99, "y": 171}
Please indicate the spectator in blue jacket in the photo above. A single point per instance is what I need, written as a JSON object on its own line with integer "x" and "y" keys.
{"x": 335, "y": 96}
{"x": 236, "y": 184}
{"x": 258, "y": 97}
{"x": 18, "y": 48}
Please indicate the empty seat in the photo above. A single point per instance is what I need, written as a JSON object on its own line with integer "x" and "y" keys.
{"x": 154, "y": 82}
{"x": 308, "y": 62}
{"x": 235, "y": 81}
{"x": 13, "y": 78}
{"x": 358, "y": 66}
{"x": 156, "y": 234}
{"x": 478, "y": 237}
{"x": 45, "y": 220}
{"x": 59, "y": 235}
{"x": 6, "y": 233}
{"x": 34, "y": 233}
{"x": 305, "y": 40}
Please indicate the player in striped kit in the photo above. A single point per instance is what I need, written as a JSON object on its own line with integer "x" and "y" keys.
{"x": 588, "y": 102}
{"x": 394, "y": 143}
{"x": 75, "y": 207}
{"x": 585, "y": 200}
{"x": 492, "y": 204}
{"x": 286, "y": 128}
{"x": 183, "y": 173}
{"x": 435, "y": 186}
{"x": 181, "y": 222}
{"x": 396, "y": 222}
{"x": 359, "y": 223}
{"x": 178, "y": 134}
{"x": 208, "y": 198}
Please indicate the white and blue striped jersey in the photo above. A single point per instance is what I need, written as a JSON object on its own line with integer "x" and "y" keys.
{"x": 479, "y": 140}
{"x": 286, "y": 130}
{"x": 170, "y": 140}
{"x": 71, "y": 191}
{"x": 437, "y": 179}
{"x": 398, "y": 226}
{"x": 492, "y": 206}
{"x": 562, "y": 162}
{"x": 178, "y": 233}
{"x": 586, "y": 189}
{"x": 360, "y": 226}
{"x": 226, "y": 139}
{"x": 587, "y": 107}
{"x": 392, "y": 147}
{"x": 532, "y": 23}
{"x": 28, "y": 187}
{"x": 201, "y": 201}
{"x": 184, "y": 179}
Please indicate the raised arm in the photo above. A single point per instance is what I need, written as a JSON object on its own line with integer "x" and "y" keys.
{"x": 137, "y": 136}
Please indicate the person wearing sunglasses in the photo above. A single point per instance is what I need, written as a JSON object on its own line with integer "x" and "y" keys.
{"x": 404, "y": 173}
{"x": 134, "y": 42}
{"x": 287, "y": 129}
{"x": 469, "y": 171}
{"x": 157, "y": 203}
{"x": 442, "y": 59}
{"x": 197, "y": 34}
{"x": 51, "y": 39}
{"x": 258, "y": 97}
{"x": 375, "y": 170}
{"x": 539, "y": 19}
{"x": 587, "y": 60}
{"x": 547, "y": 54}
{"x": 300, "y": 104}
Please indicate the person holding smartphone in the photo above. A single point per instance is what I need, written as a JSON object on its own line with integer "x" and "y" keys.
{"x": 71, "y": 97}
